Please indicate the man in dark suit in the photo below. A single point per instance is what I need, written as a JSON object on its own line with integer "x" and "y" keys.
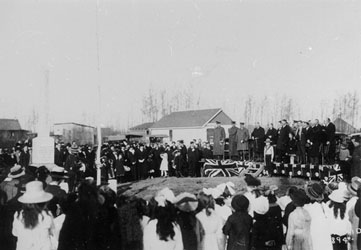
{"x": 258, "y": 135}
{"x": 193, "y": 156}
{"x": 301, "y": 142}
{"x": 282, "y": 141}
{"x": 315, "y": 141}
{"x": 272, "y": 134}
{"x": 218, "y": 139}
{"x": 232, "y": 132}
{"x": 58, "y": 156}
{"x": 330, "y": 141}
{"x": 142, "y": 156}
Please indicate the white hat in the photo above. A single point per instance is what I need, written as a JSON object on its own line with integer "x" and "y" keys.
{"x": 337, "y": 196}
{"x": 167, "y": 194}
{"x": 260, "y": 205}
{"x": 35, "y": 193}
{"x": 16, "y": 172}
{"x": 230, "y": 185}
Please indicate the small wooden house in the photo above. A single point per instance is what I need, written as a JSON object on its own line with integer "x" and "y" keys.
{"x": 11, "y": 133}
{"x": 192, "y": 124}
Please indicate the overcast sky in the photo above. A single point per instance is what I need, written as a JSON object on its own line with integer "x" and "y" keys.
{"x": 225, "y": 49}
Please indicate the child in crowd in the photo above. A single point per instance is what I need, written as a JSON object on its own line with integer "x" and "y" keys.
{"x": 268, "y": 157}
{"x": 238, "y": 225}
{"x": 164, "y": 165}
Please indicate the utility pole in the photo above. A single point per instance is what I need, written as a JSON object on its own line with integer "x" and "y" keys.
{"x": 99, "y": 130}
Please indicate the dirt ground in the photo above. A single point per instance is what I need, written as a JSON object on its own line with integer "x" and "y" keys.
{"x": 148, "y": 188}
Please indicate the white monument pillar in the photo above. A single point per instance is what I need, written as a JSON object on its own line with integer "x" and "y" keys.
{"x": 43, "y": 145}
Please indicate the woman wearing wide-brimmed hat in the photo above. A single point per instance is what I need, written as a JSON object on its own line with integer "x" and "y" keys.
{"x": 339, "y": 223}
{"x": 320, "y": 233}
{"x": 33, "y": 225}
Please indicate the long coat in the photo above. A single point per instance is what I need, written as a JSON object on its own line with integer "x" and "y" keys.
{"x": 356, "y": 162}
{"x": 232, "y": 132}
{"x": 219, "y": 136}
{"x": 242, "y": 137}
{"x": 259, "y": 134}
{"x": 283, "y": 137}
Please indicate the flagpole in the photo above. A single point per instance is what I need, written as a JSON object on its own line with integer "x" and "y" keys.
{"x": 99, "y": 130}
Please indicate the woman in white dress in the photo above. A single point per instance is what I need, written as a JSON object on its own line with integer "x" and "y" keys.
{"x": 209, "y": 224}
{"x": 339, "y": 223}
{"x": 164, "y": 165}
{"x": 319, "y": 229}
{"x": 33, "y": 225}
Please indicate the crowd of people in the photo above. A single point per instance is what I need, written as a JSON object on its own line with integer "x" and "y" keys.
{"x": 46, "y": 215}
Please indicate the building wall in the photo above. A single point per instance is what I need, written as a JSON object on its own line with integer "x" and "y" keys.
{"x": 72, "y": 132}
{"x": 8, "y": 139}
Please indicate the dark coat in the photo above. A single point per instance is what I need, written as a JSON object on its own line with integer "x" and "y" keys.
{"x": 58, "y": 158}
{"x": 218, "y": 139}
{"x": 78, "y": 231}
{"x": 242, "y": 138}
{"x": 268, "y": 228}
{"x": 193, "y": 155}
{"x": 232, "y": 132}
{"x": 207, "y": 153}
{"x": 118, "y": 165}
{"x": 283, "y": 137}
{"x": 330, "y": 133}
{"x": 272, "y": 134}
{"x": 356, "y": 162}
{"x": 258, "y": 134}
{"x": 24, "y": 159}
{"x": 238, "y": 227}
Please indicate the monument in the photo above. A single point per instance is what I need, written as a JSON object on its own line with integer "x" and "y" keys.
{"x": 43, "y": 144}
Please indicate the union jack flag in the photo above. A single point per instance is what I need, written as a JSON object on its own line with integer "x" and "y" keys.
{"x": 228, "y": 168}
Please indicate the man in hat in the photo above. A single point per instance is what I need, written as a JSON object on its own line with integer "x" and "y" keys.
{"x": 258, "y": 135}
{"x": 301, "y": 142}
{"x": 232, "y": 132}
{"x": 282, "y": 140}
{"x": 58, "y": 157}
{"x": 72, "y": 166}
{"x": 193, "y": 158}
{"x": 272, "y": 134}
{"x": 330, "y": 141}
{"x": 242, "y": 138}
{"x": 356, "y": 158}
{"x": 142, "y": 156}
{"x": 24, "y": 157}
{"x": 218, "y": 140}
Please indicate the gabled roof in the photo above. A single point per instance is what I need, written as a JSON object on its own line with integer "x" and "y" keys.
{"x": 9, "y": 124}
{"x": 143, "y": 126}
{"x": 343, "y": 126}
{"x": 188, "y": 119}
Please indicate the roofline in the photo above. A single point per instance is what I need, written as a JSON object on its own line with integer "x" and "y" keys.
{"x": 220, "y": 110}
{"x": 168, "y": 128}
{"x": 83, "y": 125}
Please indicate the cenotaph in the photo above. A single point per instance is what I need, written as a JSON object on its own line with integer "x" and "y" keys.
{"x": 43, "y": 145}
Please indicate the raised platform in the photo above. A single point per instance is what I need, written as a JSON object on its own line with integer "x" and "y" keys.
{"x": 229, "y": 168}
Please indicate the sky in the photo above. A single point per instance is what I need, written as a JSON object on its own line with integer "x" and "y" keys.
{"x": 225, "y": 50}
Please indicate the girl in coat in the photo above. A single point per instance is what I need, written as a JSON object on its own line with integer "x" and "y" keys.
{"x": 209, "y": 224}
{"x": 33, "y": 225}
{"x": 299, "y": 222}
{"x": 238, "y": 225}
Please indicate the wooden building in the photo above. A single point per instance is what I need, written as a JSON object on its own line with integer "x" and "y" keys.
{"x": 70, "y": 132}
{"x": 11, "y": 132}
{"x": 192, "y": 124}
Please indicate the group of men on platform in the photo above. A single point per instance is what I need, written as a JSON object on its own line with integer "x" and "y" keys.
{"x": 308, "y": 140}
